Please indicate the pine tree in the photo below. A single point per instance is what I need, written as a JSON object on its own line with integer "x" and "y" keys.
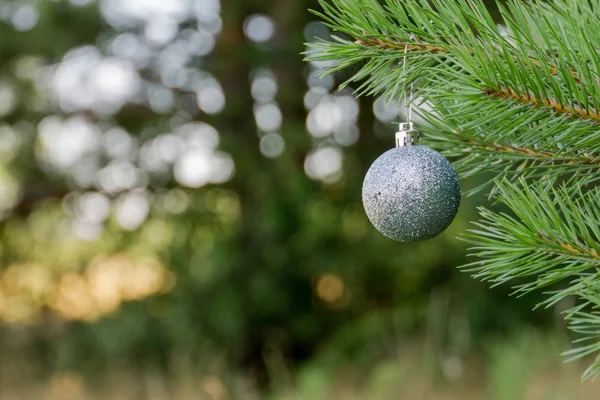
{"x": 520, "y": 100}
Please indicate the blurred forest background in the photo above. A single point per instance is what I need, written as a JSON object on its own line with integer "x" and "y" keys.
{"x": 181, "y": 219}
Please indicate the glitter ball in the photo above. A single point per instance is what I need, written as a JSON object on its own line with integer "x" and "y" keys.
{"x": 411, "y": 193}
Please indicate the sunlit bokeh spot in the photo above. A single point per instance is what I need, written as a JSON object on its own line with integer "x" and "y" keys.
{"x": 314, "y": 96}
{"x": 199, "y": 43}
{"x": 330, "y": 288}
{"x": 316, "y": 79}
{"x": 160, "y": 31}
{"x": 198, "y": 167}
{"x": 86, "y": 230}
{"x": 9, "y": 143}
{"x": 198, "y": 135}
{"x": 158, "y": 233}
{"x": 207, "y": 13}
{"x": 259, "y": 28}
{"x": 268, "y": 117}
{"x": 272, "y": 145}
{"x": 63, "y": 142}
{"x": 223, "y": 167}
{"x": 93, "y": 207}
{"x": 118, "y": 143}
{"x": 386, "y": 111}
{"x": 174, "y": 201}
{"x": 85, "y": 79}
{"x": 203, "y": 7}
{"x": 324, "y": 118}
{"x": 315, "y": 30}
{"x": 161, "y": 99}
{"x": 10, "y": 190}
{"x": 23, "y": 289}
{"x": 25, "y": 17}
{"x": 122, "y": 14}
{"x": 168, "y": 147}
{"x": 72, "y": 298}
{"x": 131, "y": 210}
{"x": 119, "y": 176}
{"x": 8, "y": 98}
{"x": 83, "y": 173}
{"x": 133, "y": 47}
{"x": 106, "y": 283}
{"x": 150, "y": 159}
{"x": 324, "y": 164}
{"x": 211, "y": 98}
{"x": 348, "y": 106}
{"x": 27, "y": 67}
{"x": 225, "y": 204}
{"x": 263, "y": 86}
{"x": 171, "y": 62}
{"x": 194, "y": 168}
{"x": 346, "y": 134}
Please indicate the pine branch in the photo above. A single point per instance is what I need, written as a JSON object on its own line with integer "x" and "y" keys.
{"x": 576, "y": 249}
{"x": 526, "y": 98}
{"x": 527, "y": 153}
{"x": 553, "y": 238}
{"x": 545, "y": 240}
{"x": 395, "y": 45}
{"x": 480, "y": 143}
{"x": 520, "y": 102}
{"x": 463, "y": 63}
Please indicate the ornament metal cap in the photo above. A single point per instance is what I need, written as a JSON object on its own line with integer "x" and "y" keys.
{"x": 406, "y": 135}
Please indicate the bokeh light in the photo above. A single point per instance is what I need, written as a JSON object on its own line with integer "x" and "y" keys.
{"x": 324, "y": 164}
{"x": 330, "y": 288}
{"x": 259, "y": 28}
{"x": 272, "y": 145}
{"x": 25, "y": 17}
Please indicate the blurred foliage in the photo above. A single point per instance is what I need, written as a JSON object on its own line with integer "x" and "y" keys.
{"x": 253, "y": 272}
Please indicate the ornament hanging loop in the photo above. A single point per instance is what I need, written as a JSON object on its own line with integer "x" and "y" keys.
{"x": 406, "y": 135}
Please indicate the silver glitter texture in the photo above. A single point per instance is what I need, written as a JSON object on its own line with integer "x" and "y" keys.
{"x": 411, "y": 193}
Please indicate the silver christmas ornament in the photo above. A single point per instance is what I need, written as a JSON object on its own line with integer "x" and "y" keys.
{"x": 411, "y": 193}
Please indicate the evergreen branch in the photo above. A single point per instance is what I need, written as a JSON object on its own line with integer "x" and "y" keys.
{"x": 395, "y": 45}
{"x": 457, "y": 40}
{"x": 521, "y": 102}
{"x": 527, "y": 98}
{"x": 553, "y": 237}
{"x": 542, "y": 244}
{"x": 517, "y": 150}
{"x": 527, "y": 152}
{"x": 575, "y": 249}
{"x": 586, "y": 323}
{"x": 468, "y": 69}
{"x": 528, "y": 144}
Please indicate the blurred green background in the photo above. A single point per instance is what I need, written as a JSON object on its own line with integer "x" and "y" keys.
{"x": 181, "y": 219}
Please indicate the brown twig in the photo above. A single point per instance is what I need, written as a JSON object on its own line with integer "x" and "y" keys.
{"x": 393, "y": 44}
{"x": 578, "y": 251}
{"x": 492, "y": 146}
{"x": 396, "y": 45}
{"x": 509, "y": 93}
